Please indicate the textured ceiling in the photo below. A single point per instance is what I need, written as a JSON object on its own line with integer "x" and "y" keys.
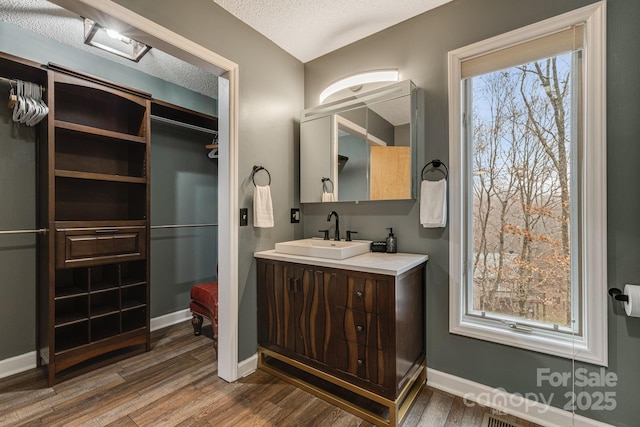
{"x": 308, "y": 29}
{"x": 54, "y": 22}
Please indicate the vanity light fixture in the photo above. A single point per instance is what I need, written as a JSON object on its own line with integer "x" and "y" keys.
{"x": 355, "y": 80}
{"x": 112, "y": 41}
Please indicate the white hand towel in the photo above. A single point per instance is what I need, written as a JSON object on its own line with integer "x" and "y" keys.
{"x": 433, "y": 203}
{"x": 328, "y": 197}
{"x": 262, "y": 207}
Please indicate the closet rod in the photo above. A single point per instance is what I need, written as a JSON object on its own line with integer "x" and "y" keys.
{"x": 186, "y": 125}
{"x": 183, "y": 226}
{"x": 39, "y": 231}
{"x": 14, "y": 81}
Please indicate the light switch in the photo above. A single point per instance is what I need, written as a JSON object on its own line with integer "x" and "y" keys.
{"x": 244, "y": 216}
{"x": 295, "y": 215}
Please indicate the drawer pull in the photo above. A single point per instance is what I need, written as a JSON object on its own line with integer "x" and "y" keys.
{"x": 106, "y": 231}
{"x": 360, "y": 294}
{"x": 359, "y": 328}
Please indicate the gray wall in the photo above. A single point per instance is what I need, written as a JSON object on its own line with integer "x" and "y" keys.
{"x": 271, "y": 98}
{"x": 418, "y": 48}
{"x": 17, "y": 252}
{"x": 180, "y": 171}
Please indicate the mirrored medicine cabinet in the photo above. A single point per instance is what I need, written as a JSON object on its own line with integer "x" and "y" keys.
{"x": 361, "y": 148}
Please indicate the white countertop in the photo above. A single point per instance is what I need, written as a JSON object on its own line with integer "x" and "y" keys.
{"x": 372, "y": 262}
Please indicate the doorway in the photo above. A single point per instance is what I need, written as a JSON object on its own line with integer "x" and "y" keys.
{"x": 227, "y": 71}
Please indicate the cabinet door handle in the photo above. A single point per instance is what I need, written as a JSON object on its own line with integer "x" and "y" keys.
{"x": 360, "y": 294}
{"x": 359, "y": 328}
{"x": 294, "y": 285}
{"x": 360, "y": 362}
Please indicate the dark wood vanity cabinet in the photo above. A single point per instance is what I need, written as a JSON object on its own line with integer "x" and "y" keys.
{"x": 362, "y": 329}
{"x": 94, "y": 200}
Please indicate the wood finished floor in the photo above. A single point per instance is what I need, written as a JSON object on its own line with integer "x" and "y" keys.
{"x": 175, "y": 384}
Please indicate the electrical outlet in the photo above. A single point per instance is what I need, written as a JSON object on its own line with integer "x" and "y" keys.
{"x": 295, "y": 215}
{"x": 244, "y": 217}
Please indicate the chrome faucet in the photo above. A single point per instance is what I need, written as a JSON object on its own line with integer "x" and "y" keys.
{"x": 337, "y": 234}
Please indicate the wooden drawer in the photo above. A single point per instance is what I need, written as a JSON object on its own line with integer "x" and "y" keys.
{"x": 361, "y": 327}
{"x": 356, "y": 293}
{"x": 77, "y": 247}
{"x": 364, "y": 293}
{"x": 367, "y": 363}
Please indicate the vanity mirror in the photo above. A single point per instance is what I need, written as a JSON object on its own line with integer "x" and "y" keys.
{"x": 364, "y": 144}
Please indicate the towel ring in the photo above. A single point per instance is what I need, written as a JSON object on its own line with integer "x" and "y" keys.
{"x": 436, "y": 164}
{"x": 257, "y": 169}
{"x": 324, "y": 185}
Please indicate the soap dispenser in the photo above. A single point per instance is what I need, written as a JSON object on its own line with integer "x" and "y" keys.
{"x": 392, "y": 242}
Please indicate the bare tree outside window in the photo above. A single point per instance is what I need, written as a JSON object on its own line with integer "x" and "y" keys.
{"x": 522, "y": 203}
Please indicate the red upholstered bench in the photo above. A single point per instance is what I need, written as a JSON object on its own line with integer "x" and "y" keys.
{"x": 204, "y": 303}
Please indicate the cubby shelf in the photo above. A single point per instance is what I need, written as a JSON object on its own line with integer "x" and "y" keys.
{"x": 66, "y": 319}
{"x": 69, "y": 292}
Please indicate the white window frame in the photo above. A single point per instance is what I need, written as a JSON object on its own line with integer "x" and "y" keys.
{"x": 591, "y": 345}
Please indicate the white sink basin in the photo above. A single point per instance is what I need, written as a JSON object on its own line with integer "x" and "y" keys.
{"x": 320, "y": 248}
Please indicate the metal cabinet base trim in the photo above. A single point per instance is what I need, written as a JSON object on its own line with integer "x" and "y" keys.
{"x": 397, "y": 408}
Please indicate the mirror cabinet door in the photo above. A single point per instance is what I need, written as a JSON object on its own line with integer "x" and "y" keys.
{"x": 389, "y": 129}
{"x": 352, "y": 155}
{"x": 316, "y": 157}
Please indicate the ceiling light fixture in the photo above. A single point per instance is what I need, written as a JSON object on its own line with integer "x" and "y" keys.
{"x": 361, "y": 79}
{"x": 112, "y": 41}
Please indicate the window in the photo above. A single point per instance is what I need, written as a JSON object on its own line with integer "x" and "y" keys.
{"x": 528, "y": 187}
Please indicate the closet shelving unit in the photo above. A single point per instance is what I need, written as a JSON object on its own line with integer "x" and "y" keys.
{"x": 94, "y": 292}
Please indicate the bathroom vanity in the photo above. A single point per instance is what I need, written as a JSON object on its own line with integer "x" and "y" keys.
{"x": 351, "y": 331}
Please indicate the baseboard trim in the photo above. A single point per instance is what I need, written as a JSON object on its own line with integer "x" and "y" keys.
{"x": 513, "y": 404}
{"x": 20, "y": 363}
{"x": 248, "y": 366}
{"x": 170, "y": 319}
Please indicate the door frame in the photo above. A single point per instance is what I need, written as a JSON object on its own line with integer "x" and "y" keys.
{"x": 172, "y": 43}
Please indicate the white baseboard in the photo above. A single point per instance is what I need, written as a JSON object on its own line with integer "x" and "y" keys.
{"x": 15, "y": 365}
{"x": 248, "y": 366}
{"x": 170, "y": 319}
{"x": 510, "y": 403}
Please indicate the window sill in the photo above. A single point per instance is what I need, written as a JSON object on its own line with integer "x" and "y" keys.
{"x": 560, "y": 345}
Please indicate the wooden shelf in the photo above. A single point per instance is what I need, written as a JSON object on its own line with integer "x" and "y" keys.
{"x": 184, "y": 115}
{"x": 67, "y": 319}
{"x": 97, "y": 288}
{"x": 70, "y": 292}
{"x": 69, "y": 343}
{"x": 132, "y": 283}
{"x": 103, "y": 311}
{"x": 100, "y": 176}
{"x": 132, "y": 304}
{"x": 100, "y": 132}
